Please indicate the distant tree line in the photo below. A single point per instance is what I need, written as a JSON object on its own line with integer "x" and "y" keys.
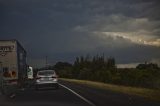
{"x": 99, "y": 68}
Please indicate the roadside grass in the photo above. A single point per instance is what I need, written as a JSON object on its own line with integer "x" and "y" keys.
{"x": 151, "y": 94}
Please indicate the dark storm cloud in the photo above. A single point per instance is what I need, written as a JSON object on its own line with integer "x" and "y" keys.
{"x": 64, "y": 29}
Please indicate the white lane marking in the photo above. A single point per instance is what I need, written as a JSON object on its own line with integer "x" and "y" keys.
{"x": 81, "y": 97}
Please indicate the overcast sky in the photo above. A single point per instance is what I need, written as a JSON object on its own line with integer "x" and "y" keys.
{"x": 128, "y": 30}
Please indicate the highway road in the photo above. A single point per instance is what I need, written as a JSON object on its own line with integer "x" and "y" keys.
{"x": 101, "y": 97}
{"x": 44, "y": 97}
{"x": 70, "y": 94}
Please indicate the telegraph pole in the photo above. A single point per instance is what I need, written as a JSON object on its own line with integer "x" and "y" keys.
{"x": 46, "y": 61}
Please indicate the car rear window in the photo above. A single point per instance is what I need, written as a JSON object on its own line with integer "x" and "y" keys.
{"x": 46, "y": 73}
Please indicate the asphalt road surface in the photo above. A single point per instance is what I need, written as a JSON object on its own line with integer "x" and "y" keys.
{"x": 109, "y": 98}
{"x": 44, "y": 97}
{"x": 70, "y": 94}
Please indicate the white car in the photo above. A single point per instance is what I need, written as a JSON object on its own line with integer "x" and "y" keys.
{"x": 46, "y": 79}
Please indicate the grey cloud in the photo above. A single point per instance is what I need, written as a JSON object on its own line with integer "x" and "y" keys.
{"x": 64, "y": 29}
{"x": 120, "y": 23}
{"x": 137, "y": 30}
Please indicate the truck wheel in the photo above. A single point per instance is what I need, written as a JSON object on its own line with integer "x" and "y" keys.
{"x": 2, "y": 91}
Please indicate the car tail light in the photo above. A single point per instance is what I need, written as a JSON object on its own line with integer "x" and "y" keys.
{"x": 38, "y": 77}
{"x": 54, "y": 76}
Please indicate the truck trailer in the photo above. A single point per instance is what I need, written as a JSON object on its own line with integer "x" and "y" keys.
{"x": 13, "y": 67}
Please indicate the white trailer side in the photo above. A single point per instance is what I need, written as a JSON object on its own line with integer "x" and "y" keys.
{"x": 13, "y": 66}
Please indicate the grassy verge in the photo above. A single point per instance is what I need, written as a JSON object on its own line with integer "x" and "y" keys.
{"x": 151, "y": 94}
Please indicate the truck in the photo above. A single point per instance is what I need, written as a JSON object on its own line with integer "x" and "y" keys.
{"x": 13, "y": 67}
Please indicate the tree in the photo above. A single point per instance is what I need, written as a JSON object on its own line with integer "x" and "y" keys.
{"x": 111, "y": 62}
{"x": 63, "y": 69}
{"x": 147, "y": 66}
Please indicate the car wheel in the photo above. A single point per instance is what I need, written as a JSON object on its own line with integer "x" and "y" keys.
{"x": 36, "y": 88}
{"x": 57, "y": 86}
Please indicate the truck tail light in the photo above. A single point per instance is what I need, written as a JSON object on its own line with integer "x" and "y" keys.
{"x": 14, "y": 81}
